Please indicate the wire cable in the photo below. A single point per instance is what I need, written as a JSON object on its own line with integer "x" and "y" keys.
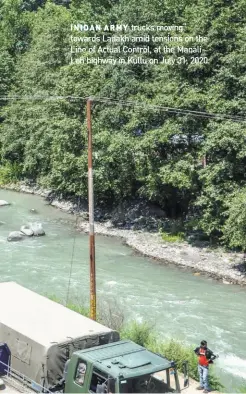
{"x": 72, "y": 257}
{"x": 132, "y": 103}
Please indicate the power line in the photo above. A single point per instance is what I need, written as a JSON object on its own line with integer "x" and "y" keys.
{"x": 132, "y": 103}
{"x": 170, "y": 109}
{"x": 72, "y": 256}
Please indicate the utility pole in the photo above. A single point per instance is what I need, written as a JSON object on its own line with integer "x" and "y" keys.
{"x": 91, "y": 217}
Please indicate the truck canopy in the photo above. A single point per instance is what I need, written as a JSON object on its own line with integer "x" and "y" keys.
{"x": 42, "y": 334}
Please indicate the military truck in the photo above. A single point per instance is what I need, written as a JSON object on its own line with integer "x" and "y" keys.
{"x": 50, "y": 348}
{"x": 121, "y": 367}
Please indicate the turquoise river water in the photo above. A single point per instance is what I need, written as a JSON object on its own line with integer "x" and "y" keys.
{"x": 179, "y": 304}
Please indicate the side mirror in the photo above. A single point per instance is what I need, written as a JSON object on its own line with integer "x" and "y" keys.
{"x": 186, "y": 374}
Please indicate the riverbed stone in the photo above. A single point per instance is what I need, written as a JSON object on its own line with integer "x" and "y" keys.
{"x": 84, "y": 215}
{"x": 26, "y": 230}
{"x": 32, "y": 210}
{"x": 3, "y": 203}
{"x": 15, "y": 236}
{"x": 37, "y": 229}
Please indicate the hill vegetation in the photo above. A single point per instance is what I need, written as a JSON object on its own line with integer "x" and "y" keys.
{"x": 190, "y": 164}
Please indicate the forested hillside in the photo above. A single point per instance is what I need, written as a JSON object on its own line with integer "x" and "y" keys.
{"x": 190, "y": 164}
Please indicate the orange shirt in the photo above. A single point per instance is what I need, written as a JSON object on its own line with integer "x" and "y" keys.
{"x": 202, "y": 360}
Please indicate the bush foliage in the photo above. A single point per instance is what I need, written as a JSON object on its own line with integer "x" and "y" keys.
{"x": 193, "y": 167}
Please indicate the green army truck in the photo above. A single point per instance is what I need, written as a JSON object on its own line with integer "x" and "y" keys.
{"x": 50, "y": 348}
{"x": 121, "y": 367}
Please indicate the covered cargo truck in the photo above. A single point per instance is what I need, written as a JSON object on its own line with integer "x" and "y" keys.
{"x": 42, "y": 334}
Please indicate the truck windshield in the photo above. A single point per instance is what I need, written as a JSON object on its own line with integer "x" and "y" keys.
{"x": 159, "y": 382}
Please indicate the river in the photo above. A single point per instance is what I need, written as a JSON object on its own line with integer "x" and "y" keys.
{"x": 181, "y": 305}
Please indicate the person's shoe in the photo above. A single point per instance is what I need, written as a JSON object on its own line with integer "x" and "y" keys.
{"x": 205, "y": 391}
{"x": 199, "y": 388}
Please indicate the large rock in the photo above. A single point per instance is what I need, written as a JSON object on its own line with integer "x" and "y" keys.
{"x": 3, "y": 203}
{"x": 37, "y": 229}
{"x": 26, "y": 230}
{"x": 15, "y": 236}
{"x": 33, "y": 210}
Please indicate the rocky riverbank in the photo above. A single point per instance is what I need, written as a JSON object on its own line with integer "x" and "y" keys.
{"x": 141, "y": 234}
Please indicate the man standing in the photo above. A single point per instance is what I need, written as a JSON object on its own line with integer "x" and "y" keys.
{"x": 205, "y": 357}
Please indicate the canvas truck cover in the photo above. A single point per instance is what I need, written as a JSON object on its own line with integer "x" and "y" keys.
{"x": 42, "y": 334}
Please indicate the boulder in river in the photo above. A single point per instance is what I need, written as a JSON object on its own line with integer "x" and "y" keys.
{"x": 3, "y": 203}
{"x": 37, "y": 229}
{"x": 26, "y": 230}
{"x": 15, "y": 236}
{"x": 33, "y": 210}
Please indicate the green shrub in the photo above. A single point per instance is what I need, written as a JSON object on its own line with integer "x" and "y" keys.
{"x": 178, "y": 352}
{"x": 9, "y": 173}
{"x": 179, "y": 237}
{"x": 53, "y": 297}
{"x": 242, "y": 389}
{"x": 81, "y": 309}
{"x": 139, "y": 333}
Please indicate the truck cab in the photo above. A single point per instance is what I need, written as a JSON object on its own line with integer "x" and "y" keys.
{"x": 120, "y": 367}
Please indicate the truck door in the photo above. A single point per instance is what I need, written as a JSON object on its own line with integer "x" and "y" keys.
{"x": 101, "y": 383}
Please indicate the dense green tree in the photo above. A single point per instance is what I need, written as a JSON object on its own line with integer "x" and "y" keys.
{"x": 234, "y": 229}
{"x": 139, "y": 149}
